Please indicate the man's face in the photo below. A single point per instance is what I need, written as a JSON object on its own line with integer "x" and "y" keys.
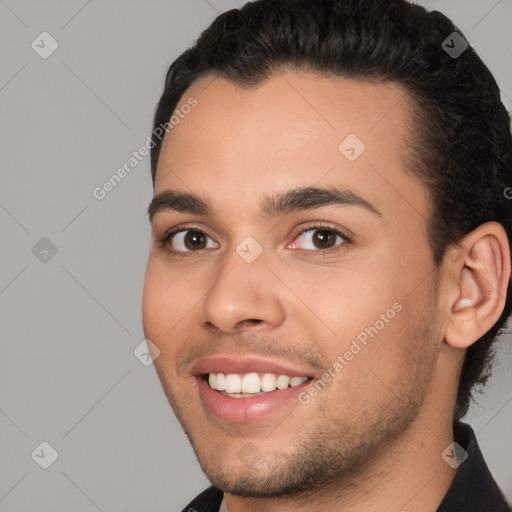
{"x": 338, "y": 291}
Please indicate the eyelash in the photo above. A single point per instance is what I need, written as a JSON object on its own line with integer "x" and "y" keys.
{"x": 164, "y": 240}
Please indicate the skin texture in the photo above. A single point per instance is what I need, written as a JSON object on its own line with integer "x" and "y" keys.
{"x": 373, "y": 438}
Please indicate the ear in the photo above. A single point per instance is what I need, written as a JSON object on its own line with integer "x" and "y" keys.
{"x": 478, "y": 277}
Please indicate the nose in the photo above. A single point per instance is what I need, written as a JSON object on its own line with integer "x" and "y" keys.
{"x": 244, "y": 295}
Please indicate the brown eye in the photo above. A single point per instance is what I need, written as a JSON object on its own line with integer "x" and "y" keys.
{"x": 324, "y": 239}
{"x": 319, "y": 238}
{"x": 189, "y": 240}
{"x": 194, "y": 240}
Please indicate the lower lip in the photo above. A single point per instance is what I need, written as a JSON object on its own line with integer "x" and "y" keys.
{"x": 245, "y": 410}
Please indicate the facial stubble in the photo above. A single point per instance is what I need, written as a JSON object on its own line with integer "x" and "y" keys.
{"x": 336, "y": 452}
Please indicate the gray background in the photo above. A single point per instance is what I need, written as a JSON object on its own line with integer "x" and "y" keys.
{"x": 69, "y": 325}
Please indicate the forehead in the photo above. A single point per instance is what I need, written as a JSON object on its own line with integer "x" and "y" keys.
{"x": 294, "y": 128}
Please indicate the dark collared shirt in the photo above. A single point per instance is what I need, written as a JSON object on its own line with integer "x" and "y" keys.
{"x": 472, "y": 490}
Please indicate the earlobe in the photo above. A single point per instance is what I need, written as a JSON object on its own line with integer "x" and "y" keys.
{"x": 481, "y": 280}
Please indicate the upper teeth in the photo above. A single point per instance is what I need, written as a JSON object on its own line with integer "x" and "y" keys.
{"x": 252, "y": 382}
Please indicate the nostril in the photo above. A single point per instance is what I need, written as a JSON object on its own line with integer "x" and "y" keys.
{"x": 251, "y": 321}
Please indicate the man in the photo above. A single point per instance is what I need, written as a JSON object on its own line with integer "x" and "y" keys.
{"x": 331, "y": 256}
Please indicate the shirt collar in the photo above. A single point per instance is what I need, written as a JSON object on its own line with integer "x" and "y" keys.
{"x": 473, "y": 488}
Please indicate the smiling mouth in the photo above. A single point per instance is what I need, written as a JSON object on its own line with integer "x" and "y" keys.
{"x": 252, "y": 384}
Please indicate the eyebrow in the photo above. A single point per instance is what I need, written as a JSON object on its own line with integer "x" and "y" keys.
{"x": 278, "y": 204}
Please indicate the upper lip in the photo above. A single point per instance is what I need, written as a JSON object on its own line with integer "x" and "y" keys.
{"x": 227, "y": 364}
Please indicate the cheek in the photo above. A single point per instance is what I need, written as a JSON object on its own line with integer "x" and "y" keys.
{"x": 374, "y": 366}
{"x": 345, "y": 302}
{"x": 167, "y": 297}
{"x": 153, "y": 301}
{"x": 170, "y": 303}
{"x": 161, "y": 307}
{"x": 379, "y": 328}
